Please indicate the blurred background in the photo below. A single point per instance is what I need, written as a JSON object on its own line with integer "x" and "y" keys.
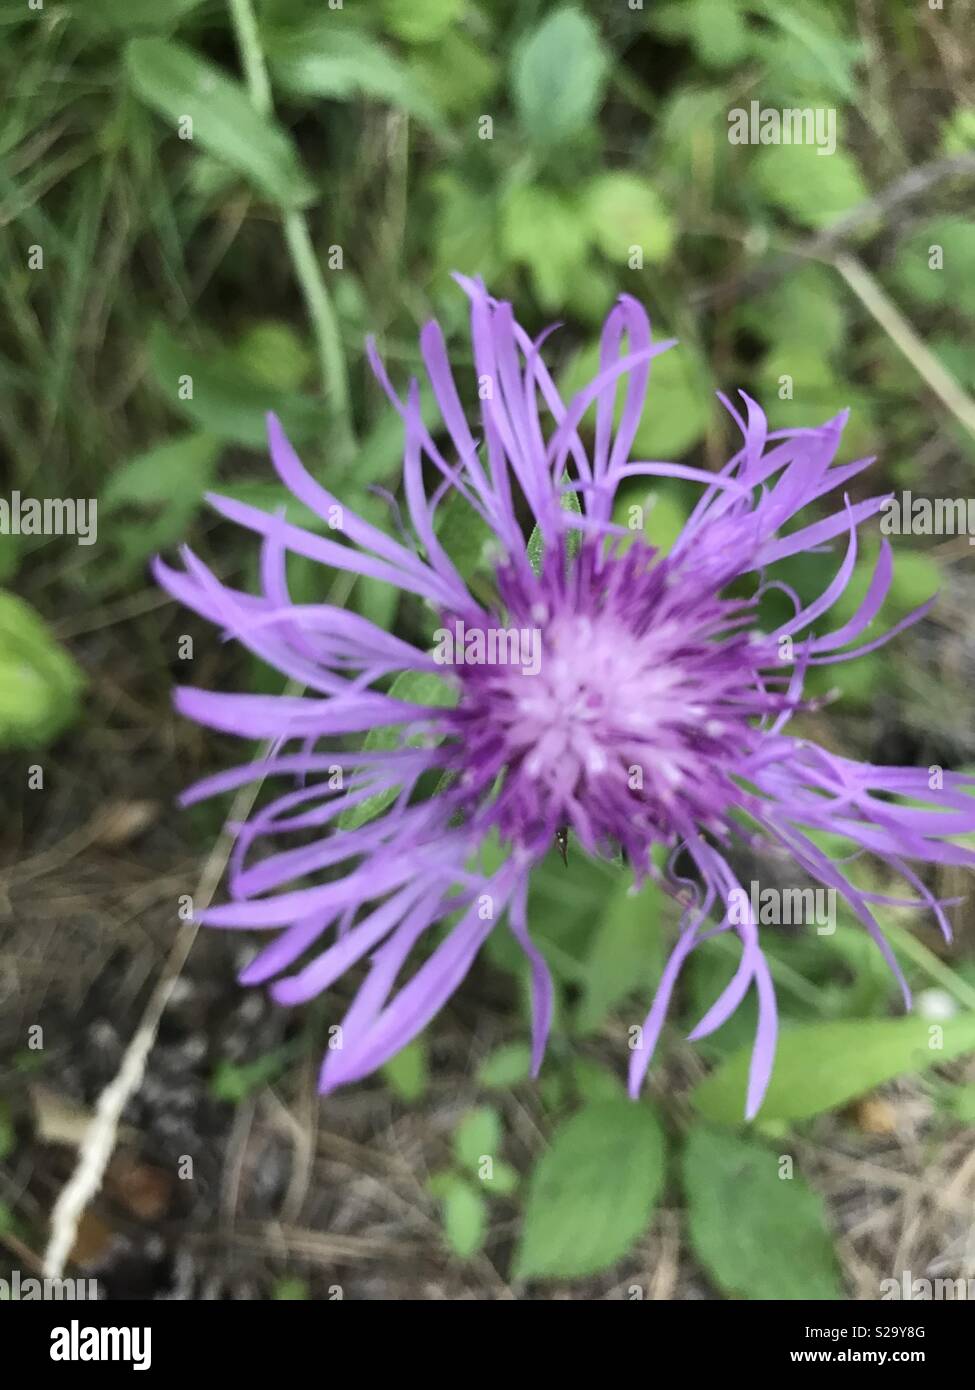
{"x": 205, "y": 207}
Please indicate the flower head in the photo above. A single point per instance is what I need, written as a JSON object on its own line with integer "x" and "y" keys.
{"x": 628, "y": 698}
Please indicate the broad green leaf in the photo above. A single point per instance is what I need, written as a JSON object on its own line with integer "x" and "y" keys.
{"x": 152, "y": 498}
{"x": 623, "y": 210}
{"x": 319, "y": 60}
{"x": 211, "y": 389}
{"x": 758, "y": 1234}
{"x": 464, "y": 1218}
{"x": 820, "y": 1066}
{"x": 594, "y": 1082}
{"x": 807, "y": 311}
{"x": 625, "y": 956}
{"x": 505, "y": 1067}
{"x": 477, "y": 1136}
{"x": 678, "y": 406}
{"x": 937, "y": 264}
{"x": 592, "y": 1192}
{"x": 177, "y": 84}
{"x": 502, "y": 1179}
{"x": 40, "y": 685}
{"x": 716, "y": 28}
{"x": 814, "y": 189}
{"x": 412, "y": 687}
{"x": 807, "y": 56}
{"x": 407, "y": 1072}
{"x": 542, "y": 229}
{"x": 458, "y": 73}
{"x": 271, "y": 353}
{"x": 557, "y": 77}
{"x": 465, "y": 537}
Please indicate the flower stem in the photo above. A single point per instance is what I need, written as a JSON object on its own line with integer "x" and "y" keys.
{"x": 318, "y": 302}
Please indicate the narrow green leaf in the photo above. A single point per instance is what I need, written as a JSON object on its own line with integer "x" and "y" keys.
{"x": 178, "y": 85}
{"x": 570, "y": 503}
{"x": 593, "y": 1191}
{"x": 755, "y": 1224}
{"x": 819, "y": 1066}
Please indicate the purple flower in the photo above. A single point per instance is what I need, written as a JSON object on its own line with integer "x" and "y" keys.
{"x": 656, "y": 713}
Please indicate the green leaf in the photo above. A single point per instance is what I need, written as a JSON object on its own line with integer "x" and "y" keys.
{"x": 319, "y": 60}
{"x": 759, "y": 1235}
{"x": 477, "y": 1136}
{"x": 594, "y": 1082}
{"x": 505, "y": 1067}
{"x": 678, "y": 408}
{"x": 626, "y": 954}
{"x": 464, "y": 535}
{"x": 570, "y": 503}
{"x": 464, "y": 1219}
{"x": 809, "y": 58}
{"x": 408, "y": 1071}
{"x": 592, "y": 1192}
{"x": 40, "y": 685}
{"x": 623, "y": 210}
{"x": 131, "y": 16}
{"x": 557, "y": 77}
{"x": 235, "y": 1081}
{"x": 541, "y": 229}
{"x": 421, "y": 21}
{"x": 291, "y": 1289}
{"x": 937, "y": 264}
{"x": 813, "y": 189}
{"x": 962, "y": 1105}
{"x": 177, "y": 84}
{"x": 212, "y": 390}
{"x": 154, "y": 496}
{"x": 458, "y": 73}
{"x": 414, "y": 687}
{"x": 502, "y": 1181}
{"x": 273, "y": 354}
{"x": 806, "y": 311}
{"x": 820, "y": 1066}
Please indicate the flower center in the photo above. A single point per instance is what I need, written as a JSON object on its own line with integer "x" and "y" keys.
{"x": 621, "y": 724}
